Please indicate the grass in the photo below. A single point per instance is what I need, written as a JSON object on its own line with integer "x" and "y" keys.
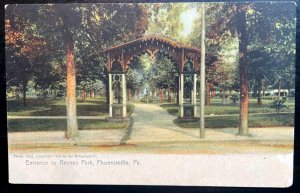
{"x": 217, "y": 108}
{"x": 38, "y": 107}
{"x": 97, "y": 107}
{"x": 267, "y": 120}
{"x": 15, "y": 125}
{"x": 255, "y": 120}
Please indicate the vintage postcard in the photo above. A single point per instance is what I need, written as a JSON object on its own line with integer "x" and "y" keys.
{"x": 186, "y": 94}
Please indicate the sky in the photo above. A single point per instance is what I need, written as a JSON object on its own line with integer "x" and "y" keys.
{"x": 187, "y": 18}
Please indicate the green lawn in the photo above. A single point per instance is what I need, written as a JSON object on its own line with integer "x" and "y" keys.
{"x": 38, "y": 107}
{"x": 60, "y": 124}
{"x": 255, "y": 120}
{"x": 268, "y": 120}
{"x": 97, "y": 107}
{"x": 217, "y": 108}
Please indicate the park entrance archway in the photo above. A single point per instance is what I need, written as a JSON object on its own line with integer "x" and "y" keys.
{"x": 119, "y": 58}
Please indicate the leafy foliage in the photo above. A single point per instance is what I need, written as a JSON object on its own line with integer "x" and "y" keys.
{"x": 234, "y": 98}
{"x": 279, "y": 104}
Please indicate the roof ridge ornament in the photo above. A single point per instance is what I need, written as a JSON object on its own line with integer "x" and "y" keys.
{"x": 147, "y": 37}
{"x": 152, "y": 53}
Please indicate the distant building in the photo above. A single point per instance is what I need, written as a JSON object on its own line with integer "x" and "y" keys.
{"x": 274, "y": 92}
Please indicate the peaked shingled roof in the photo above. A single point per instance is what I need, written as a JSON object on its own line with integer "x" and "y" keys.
{"x": 153, "y": 37}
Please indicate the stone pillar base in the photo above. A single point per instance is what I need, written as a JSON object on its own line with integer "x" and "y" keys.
{"x": 188, "y": 119}
{"x": 187, "y": 111}
{"x": 110, "y": 119}
{"x": 118, "y": 111}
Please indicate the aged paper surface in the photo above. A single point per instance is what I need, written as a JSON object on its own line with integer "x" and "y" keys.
{"x": 187, "y": 94}
{"x": 136, "y": 169}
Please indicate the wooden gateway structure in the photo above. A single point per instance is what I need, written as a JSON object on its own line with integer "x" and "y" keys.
{"x": 119, "y": 57}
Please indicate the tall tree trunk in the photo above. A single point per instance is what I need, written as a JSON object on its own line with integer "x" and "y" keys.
{"x": 224, "y": 101}
{"x": 169, "y": 93}
{"x": 207, "y": 96}
{"x": 17, "y": 93}
{"x": 83, "y": 94}
{"x": 214, "y": 92}
{"x": 263, "y": 87}
{"x": 72, "y": 127}
{"x": 44, "y": 94}
{"x": 128, "y": 94}
{"x": 161, "y": 95}
{"x": 24, "y": 87}
{"x": 259, "y": 92}
{"x": 107, "y": 93}
{"x": 254, "y": 95}
{"x": 177, "y": 90}
{"x": 55, "y": 93}
{"x": 177, "y": 97}
{"x": 243, "y": 69}
{"x": 92, "y": 92}
{"x": 279, "y": 89}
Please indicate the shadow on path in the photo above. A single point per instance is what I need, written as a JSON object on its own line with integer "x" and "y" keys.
{"x": 128, "y": 131}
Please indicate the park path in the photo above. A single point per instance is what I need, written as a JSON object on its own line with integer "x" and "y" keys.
{"x": 153, "y": 123}
{"x": 103, "y": 117}
{"x": 150, "y": 124}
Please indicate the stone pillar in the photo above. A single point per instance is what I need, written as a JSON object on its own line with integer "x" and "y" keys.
{"x": 124, "y": 94}
{"x": 195, "y": 94}
{"x": 110, "y": 94}
{"x": 181, "y": 84}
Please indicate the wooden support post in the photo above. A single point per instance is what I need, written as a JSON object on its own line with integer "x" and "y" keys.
{"x": 110, "y": 94}
{"x": 124, "y": 95}
{"x": 181, "y": 96}
{"x": 195, "y": 94}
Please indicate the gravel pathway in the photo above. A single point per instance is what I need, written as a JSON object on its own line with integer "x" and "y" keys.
{"x": 153, "y": 123}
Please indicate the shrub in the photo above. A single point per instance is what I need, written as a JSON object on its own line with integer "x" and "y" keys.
{"x": 144, "y": 99}
{"x": 234, "y": 98}
{"x": 279, "y": 104}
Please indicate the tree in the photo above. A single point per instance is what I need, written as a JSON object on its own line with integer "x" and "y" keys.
{"x": 268, "y": 44}
{"x": 166, "y": 73}
{"x": 247, "y": 22}
{"x": 67, "y": 16}
{"x": 111, "y": 31}
{"x": 241, "y": 28}
{"x": 165, "y": 20}
{"x": 72, "y": 29}
{"x": 222, "y": 50}
{"x": 92, "y": 19}
{"x": 24, "y": 48}
{"x": 135, "y": 76}
{"x": 230, "y": 21}
{"x": 260, "y": 63}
